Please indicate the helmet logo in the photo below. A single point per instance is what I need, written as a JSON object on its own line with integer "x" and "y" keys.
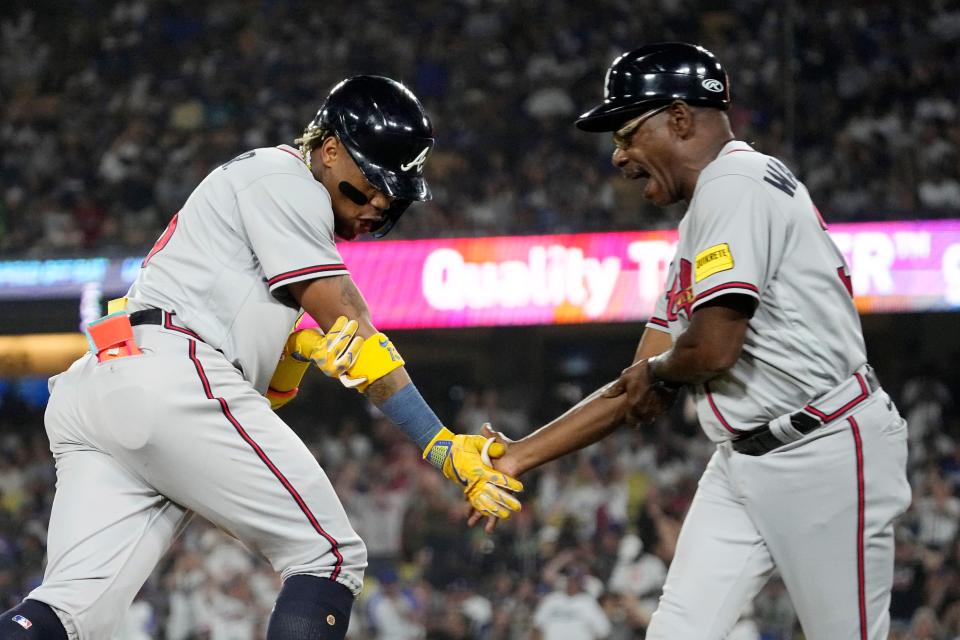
{"x": 418, "y": 162}
{"x": 712, "y": 85}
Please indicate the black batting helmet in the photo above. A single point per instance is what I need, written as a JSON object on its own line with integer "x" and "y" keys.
{"x": 653, "y": 76}
{"x": 387, "y": 133}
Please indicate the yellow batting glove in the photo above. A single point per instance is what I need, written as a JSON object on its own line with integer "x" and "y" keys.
{"x": 459, "y": 456}
{"x": 333, "y": 352}
{"x": 285, "y": 383}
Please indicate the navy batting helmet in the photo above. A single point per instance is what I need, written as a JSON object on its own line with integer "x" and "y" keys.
{"x": 387, "y": 133}
{"x": 653, "y": 76}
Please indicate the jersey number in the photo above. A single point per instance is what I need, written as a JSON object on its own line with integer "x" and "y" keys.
{"x": 845, "y": 278}
{"x": 162, "y": 240}
{"x": 841, "y": 270}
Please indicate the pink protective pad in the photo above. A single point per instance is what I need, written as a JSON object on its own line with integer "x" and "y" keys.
{"x": 306, "y": 321}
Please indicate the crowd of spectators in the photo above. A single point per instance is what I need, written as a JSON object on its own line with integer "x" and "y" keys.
{"x": 111, "y": 112}
{"x": 586, "y": 558}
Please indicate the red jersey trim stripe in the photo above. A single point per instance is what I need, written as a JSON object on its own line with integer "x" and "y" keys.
{"x": 861, "y": 524}
{"x": 827, "y": 417}
{"x": 168, "y": 324}
{"x": 745, "y": 286}
{"x": 716, "y": 411}
{"x": 295, "y": 155}
{"x": 260, "y": 453}
{"x": 296, "y": 273}
{"x": 660, "y": 322}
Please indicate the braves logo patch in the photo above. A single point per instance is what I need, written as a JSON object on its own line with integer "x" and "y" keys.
{"x": 680, "y": 293}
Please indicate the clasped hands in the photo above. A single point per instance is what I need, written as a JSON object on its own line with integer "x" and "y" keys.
{"x": 463, "y": 458}
{"x": 645, "y": 398}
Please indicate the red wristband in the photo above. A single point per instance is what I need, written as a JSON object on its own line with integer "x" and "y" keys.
{"x": 282, "y": 394}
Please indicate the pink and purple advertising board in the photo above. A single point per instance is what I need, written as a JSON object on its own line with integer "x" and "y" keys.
{"x": 616, "y": 277}
{"x": 556, "y": 279}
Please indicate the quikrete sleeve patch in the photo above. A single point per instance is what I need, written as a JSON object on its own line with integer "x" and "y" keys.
{"x": 713, "y": 260}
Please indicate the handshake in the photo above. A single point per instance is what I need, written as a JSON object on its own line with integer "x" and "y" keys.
{"x": 339, "y": 353}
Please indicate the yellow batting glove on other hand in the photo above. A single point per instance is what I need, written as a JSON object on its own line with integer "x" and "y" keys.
{"x": 489, "y": 491}
{"x": 333, "y": 352}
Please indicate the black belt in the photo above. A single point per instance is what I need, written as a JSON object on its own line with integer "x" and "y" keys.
{"x": 162, "y": 318}
{"x": 147, "y": 316}
{"x": 763, "y": 440}
{"x": 165, "y": 320}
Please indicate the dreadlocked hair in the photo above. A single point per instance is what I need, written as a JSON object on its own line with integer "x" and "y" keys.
{"x": 311, "y": 138}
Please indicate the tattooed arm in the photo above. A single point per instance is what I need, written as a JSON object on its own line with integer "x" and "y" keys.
{"x": 325, "y": 299}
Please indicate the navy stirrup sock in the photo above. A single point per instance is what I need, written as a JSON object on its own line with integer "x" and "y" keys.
{"x": 310, "y": 607}
{"x": 31, "y": 620}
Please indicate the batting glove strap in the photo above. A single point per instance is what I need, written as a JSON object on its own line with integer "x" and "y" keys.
{"x": 458, "y": 456}
{"x": 375, "y": 359}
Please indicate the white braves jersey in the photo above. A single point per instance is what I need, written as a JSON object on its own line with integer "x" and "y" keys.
{"x": 752, "y": 229}
{"x": 254, "y": 225}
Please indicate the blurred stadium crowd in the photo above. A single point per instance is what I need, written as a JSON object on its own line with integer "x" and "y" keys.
{"x": 586, "y": 558}
{"x": 113, "y": 111}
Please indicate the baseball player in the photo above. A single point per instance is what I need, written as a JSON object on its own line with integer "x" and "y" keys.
{"x": 170, "y": 413}
{"x": 757, "y": 320}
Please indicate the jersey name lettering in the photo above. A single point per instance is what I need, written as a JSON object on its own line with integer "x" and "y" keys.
{"x": 779, "y": 176}
{"x": 242, "y": 156}
{"x": 162, "y": 240}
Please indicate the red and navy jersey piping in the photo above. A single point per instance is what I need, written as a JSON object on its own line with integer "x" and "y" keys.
{"x": 297, "y": 273}
{"x": 260, "y": 453}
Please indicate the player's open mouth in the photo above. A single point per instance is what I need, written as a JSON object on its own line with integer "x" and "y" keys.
{"x": 366, "y": 225}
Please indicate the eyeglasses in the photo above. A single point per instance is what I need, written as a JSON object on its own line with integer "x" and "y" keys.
{"x": 622, "y": 137}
